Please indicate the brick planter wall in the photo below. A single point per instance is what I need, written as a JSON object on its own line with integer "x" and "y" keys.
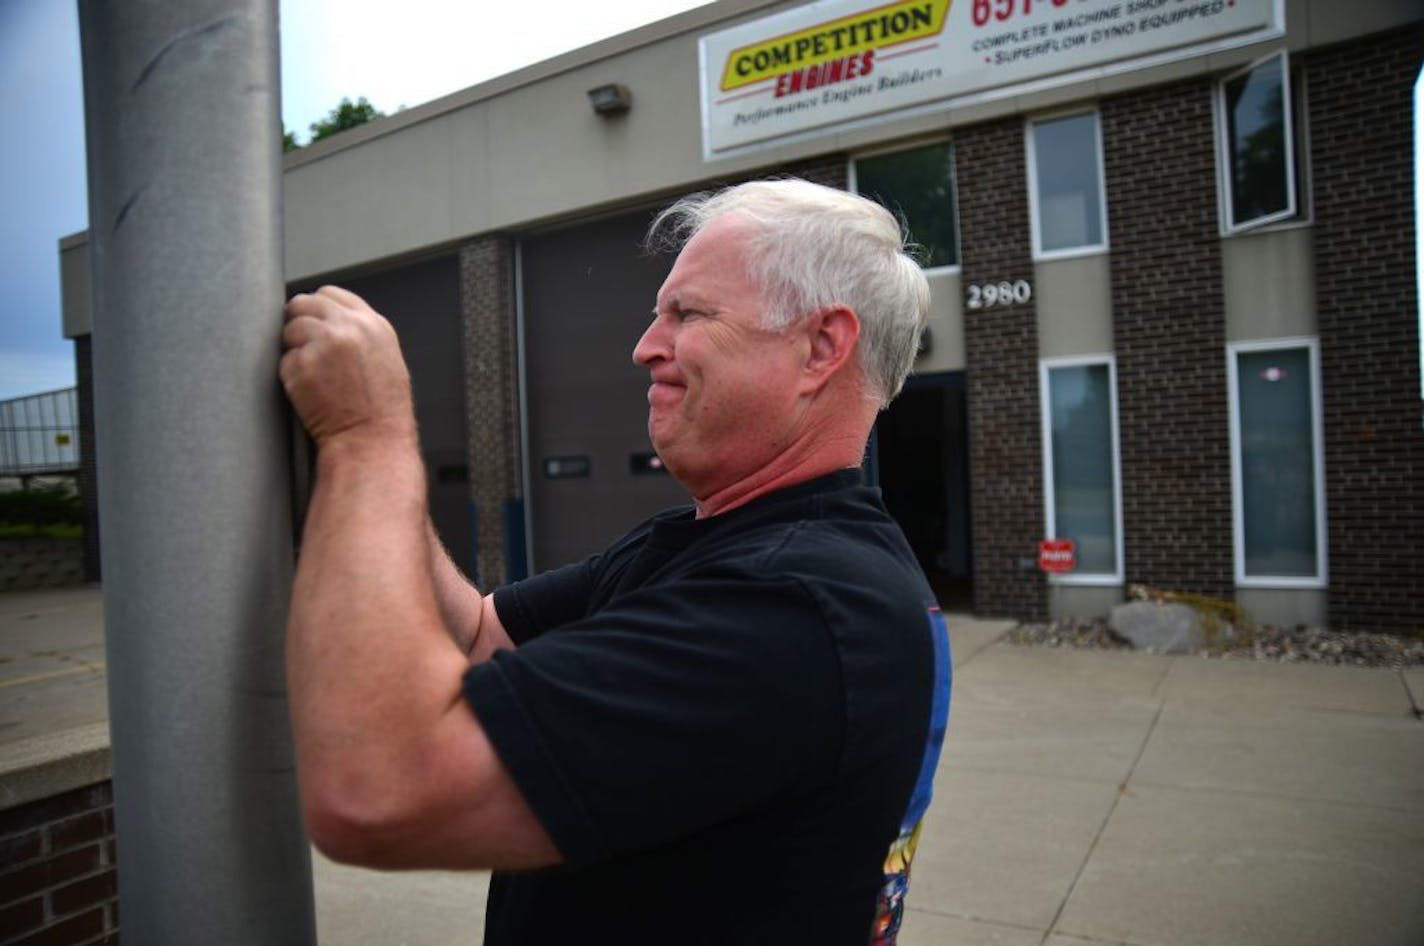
{"x": 40, "y": 563}
{"x": 1001, "y": 351}
{"x": 1169, "y": 333}
{"x": 58, "y": 881}
{"x": 1361, "y": 108}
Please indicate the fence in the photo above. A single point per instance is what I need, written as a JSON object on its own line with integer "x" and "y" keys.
{"x": 39, "y": 434}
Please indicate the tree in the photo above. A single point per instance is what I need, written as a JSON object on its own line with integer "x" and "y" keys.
{"x": 344, "y": 116}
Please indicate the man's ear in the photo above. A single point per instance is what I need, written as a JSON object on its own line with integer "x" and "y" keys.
{"x": 832, "y": 333}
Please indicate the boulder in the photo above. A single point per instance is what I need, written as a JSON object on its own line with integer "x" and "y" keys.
{"x": 1159, "y": 627}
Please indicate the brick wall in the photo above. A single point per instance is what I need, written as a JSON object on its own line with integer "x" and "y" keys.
{"x": 1169, "y": 333}
{"x": 1360, "y": 100}
{"x": 1001, "y": 349}
{"x": 58, "y": 881}
{"x": 491, "y": 399}
{"x": 831, "y": 170}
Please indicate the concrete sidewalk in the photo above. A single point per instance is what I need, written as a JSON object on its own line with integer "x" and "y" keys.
{"x": 1083, "y": 799}
{"x": 1136, "y": 799}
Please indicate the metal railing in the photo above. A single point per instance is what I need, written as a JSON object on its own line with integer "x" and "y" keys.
{"x": 39, "y": 434}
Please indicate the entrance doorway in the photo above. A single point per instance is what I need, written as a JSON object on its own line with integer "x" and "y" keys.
{"x": 922, "y": 465}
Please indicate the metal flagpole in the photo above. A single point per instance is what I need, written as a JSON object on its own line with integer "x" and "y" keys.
{"x": 184, "y": 141}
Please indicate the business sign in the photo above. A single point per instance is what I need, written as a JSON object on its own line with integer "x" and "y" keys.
{"x": 840, "y": 61}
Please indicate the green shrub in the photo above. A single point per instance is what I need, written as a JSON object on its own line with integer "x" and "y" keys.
{"x": 41, "y": 506}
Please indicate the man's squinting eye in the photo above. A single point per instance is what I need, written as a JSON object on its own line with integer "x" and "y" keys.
{"x": 679, "y": 314}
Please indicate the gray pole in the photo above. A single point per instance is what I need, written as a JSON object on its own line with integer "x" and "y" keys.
{"x": 181, "y": 106}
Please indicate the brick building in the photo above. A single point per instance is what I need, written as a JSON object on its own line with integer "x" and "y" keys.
{"x": 1171, "y": 246}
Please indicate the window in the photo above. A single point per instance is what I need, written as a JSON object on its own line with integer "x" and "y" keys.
{"x": 1082, "y": 499}
{"x": 1276, "y": 463}
{"x": 1257, "y": 145}
{"x": 918, "y": 185}
{"x": 1066, "y": 186}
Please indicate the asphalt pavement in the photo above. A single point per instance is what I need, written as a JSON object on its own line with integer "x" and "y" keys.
{"x": 1083, "y": 798}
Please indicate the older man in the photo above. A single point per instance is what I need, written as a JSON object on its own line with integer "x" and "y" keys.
{"x": 723, "y": 728}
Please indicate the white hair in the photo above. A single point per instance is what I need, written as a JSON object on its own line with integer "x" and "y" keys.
{"x": 814, "y": 247}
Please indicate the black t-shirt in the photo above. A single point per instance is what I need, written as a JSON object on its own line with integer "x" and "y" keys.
{"x": 720, "y": 723}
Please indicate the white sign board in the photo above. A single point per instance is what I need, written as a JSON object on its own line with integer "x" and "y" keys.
{"x": 840, "y": 61}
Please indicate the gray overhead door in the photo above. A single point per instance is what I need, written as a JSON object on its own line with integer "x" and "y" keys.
{"x": 422, "y": 302}
{"x": 588, "y": 293}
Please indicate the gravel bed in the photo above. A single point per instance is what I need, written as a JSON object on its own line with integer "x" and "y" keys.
{"x": 1283, "y": 644}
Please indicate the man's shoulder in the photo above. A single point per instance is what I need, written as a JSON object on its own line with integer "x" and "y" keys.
{"x": 845, "y": 528}
{"x": 831, "y": 536}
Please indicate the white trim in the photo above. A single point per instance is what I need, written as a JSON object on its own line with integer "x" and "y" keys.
{"x": 1072, "y": 253}
{"x": 1301, "y": 165}
{"x": 1045, "y": 366}
{"x": 902, "y": 144}
{"x": 1225, "y": 177}
{"x": 954, "y": 204}
{"x": 949, "y": 270}
{"x": 1031, "y": 161}
{"x": 1238, "y": 513}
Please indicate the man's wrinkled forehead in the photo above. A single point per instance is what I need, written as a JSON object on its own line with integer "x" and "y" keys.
{"x": 714, "y": 258}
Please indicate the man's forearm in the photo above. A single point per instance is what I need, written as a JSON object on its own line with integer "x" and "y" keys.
{"x": 369, "y": 661}
{"x": 460, "y": 601}
{"x": 469, "y": 616}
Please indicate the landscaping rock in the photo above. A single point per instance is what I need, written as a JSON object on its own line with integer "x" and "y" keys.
{"x": 1299, "y": 644}
{"x": 1159, "y": 627}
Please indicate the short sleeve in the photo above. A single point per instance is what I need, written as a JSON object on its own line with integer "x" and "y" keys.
{"x": 530, "y": 607}
{"x": 674, "y": 709}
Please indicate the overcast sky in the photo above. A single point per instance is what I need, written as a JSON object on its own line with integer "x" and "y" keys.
{"x": 394, "y": 53}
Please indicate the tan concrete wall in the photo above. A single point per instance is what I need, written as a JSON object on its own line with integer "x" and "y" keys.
{"x": 74, "y": 285}
{"x": 527, "y": 148}
{"x": 1083, "y": 601}
{"x": 1268, "y": 280}
{"x": 1286, "y": 607}
{"x": 946, "y": 325}
{"x": 1322, "y": 22}
{"x": 517, "y": 151}
{"x": 1074, "y": 302}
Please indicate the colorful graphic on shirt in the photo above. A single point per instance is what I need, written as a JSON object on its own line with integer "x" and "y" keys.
{"x": 890, "y": 908}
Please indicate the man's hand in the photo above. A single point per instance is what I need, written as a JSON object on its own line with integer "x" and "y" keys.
{"x": 343, "y": 369}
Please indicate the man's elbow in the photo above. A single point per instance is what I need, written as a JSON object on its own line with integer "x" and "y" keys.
{"x": 350, "y": 827}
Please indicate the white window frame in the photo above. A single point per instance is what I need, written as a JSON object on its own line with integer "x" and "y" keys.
{"x": 1087, "y": 249}
{"x": 1238, "y": 512}
{"x": 1225, "y": 169}
{"x": 854, "y": 185}
{"x": 1045, "y": 366}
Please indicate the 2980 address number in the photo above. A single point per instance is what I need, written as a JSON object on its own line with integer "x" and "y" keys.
{"x": 988, "y": 295}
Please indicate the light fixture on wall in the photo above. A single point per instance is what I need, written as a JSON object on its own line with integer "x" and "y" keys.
{"x": 611, "y": 99}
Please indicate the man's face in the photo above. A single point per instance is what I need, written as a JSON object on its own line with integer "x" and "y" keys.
{"x": 723, "y": 401}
